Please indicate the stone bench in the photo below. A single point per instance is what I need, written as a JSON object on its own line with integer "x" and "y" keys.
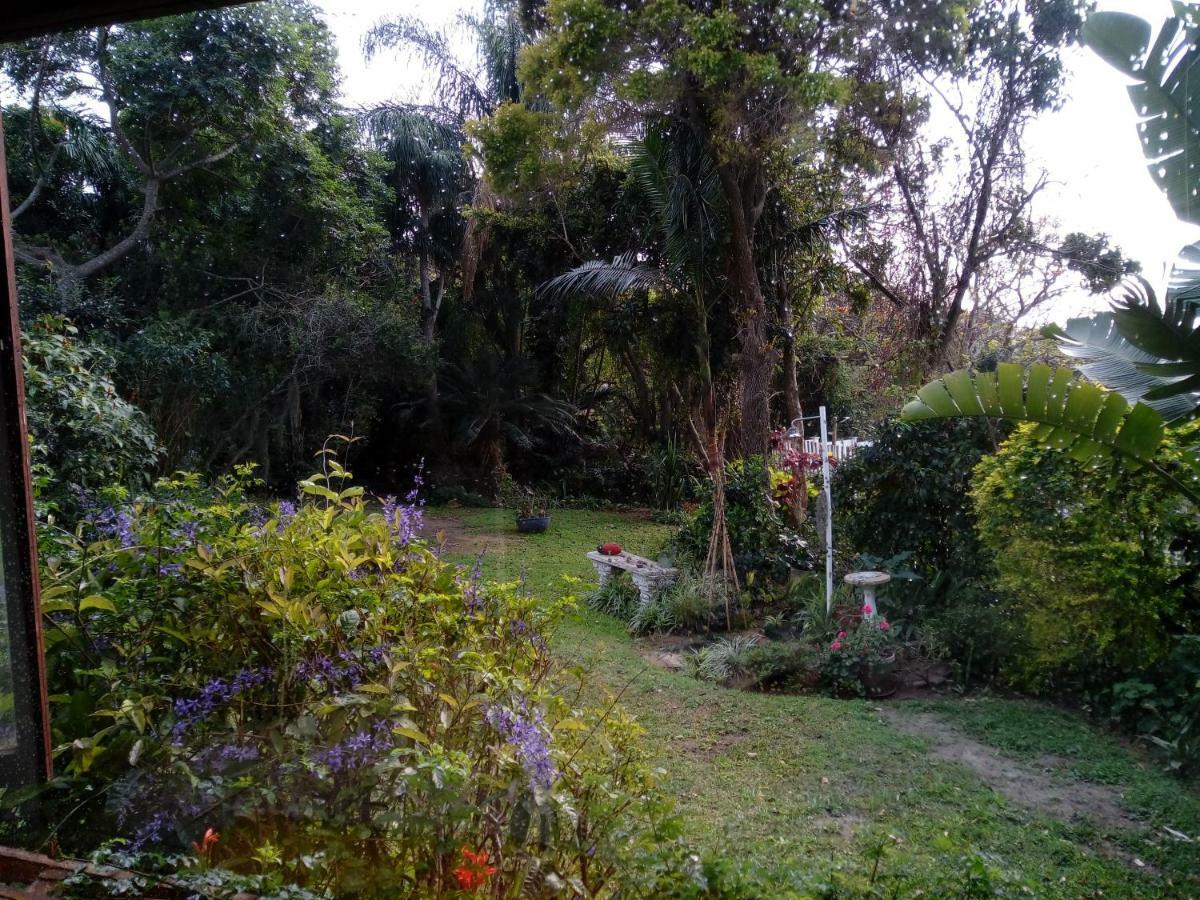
{"x": 648, "y": 576}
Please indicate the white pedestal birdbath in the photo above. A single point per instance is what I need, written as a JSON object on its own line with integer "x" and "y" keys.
{"x": 868, "y": 581}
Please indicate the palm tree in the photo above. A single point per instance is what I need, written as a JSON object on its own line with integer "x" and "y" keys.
{"x": 425, "y": 145}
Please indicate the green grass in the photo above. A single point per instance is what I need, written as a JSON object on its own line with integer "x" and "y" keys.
{"x": 802, "y": 784}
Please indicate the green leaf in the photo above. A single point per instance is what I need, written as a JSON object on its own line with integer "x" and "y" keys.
{"x": 1070, "y": 414}
{"x": 95, "y": 601}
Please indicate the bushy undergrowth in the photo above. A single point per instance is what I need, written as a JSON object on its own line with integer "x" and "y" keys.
{"x": 686, "y": 605}
{"x": 908, "y": 496}
{"x": 84, "y": 436}
{"x": 765, "y": 548}
{"x": 344, "y": 710}
{"x": 1099, "y": 563}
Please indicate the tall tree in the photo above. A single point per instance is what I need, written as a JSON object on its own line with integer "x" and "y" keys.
{"x": 177, "y": 95}
{"x": 955, "y": 234}
{"x": 426, "y": 146}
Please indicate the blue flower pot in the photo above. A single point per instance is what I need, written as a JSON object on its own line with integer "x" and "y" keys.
{"x": 532, "y": 524}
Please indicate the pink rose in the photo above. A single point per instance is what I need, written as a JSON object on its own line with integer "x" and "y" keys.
{"x": 836, "y": 645}
{"x": 841, "y": 634}
{"x": 884, "y": 626}
{"x": 868, "y": 610}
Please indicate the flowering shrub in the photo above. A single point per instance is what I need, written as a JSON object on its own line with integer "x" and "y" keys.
{"x": 306, "y": 689}
{"x": 862, "y": 639}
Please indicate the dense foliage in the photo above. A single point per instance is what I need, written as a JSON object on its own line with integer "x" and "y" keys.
{"x": 344, "y": 710}
{"x": 1099, "y": 564}
{"x": 84, "y": 435}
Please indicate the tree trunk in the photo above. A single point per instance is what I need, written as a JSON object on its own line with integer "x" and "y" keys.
{"x": 430, "y": 307}
{"x": 756, "y": 357}
{"x": 791, "y": 387}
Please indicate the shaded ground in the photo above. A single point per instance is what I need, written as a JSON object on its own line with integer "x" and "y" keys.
{"x": 808, "y": 784}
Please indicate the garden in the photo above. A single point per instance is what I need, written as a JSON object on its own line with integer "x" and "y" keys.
{"x": 646, "y": 459}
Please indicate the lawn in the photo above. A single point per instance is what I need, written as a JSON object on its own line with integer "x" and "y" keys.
{"x": 997, "y": 789}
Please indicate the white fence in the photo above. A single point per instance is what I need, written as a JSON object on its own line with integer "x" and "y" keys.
{"x": 841, "y": 450}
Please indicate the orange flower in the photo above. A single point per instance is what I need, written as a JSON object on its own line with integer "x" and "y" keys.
{"x": 205, "y": 845}
{"x": 471, "y": 877}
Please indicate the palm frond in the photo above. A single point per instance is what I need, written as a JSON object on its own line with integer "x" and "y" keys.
{"x": 87, "y": 144}
{"x": 1072, "y": 414}
{"x": 1148, "y": 352}
{"x": 455, "y": 86}
{"x": 831, "y": 227}
{"x": 604, "y": 281}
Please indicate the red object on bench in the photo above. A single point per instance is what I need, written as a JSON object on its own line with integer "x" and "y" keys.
{"x": 609, "y": 549}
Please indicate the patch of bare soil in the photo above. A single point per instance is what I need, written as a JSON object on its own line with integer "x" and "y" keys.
{"x": 456, "y": 537}
{"x": 845, "y": 825}
{"x": 1043, "y": 787}
{"x": 667, "y": 651}
{"x": 712, "y": 746}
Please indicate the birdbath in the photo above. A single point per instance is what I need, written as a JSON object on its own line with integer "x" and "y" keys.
{"x": 868, "y": 581}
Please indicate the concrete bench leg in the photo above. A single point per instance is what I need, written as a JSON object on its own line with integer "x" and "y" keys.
{"x": 648, "y": 586}
{"x": 602, "y": 572}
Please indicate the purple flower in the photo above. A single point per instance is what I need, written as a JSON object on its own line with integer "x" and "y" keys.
{"x": 214, "y": 695}
{"x": 218, "y": 759}
{"x": 152, "y": 831}
{"x": 404, "y": 520}
{"x": 172, "y": 570}
{"x": 287, "y": 512}
{"x": 119, "y": 524}
{"x": 328, "y": 672}
{"x": 472, "y": 592}
{"x": 525, "y": 734}
{"x": 358, "y": 750}
{"x": 378, "y": 654}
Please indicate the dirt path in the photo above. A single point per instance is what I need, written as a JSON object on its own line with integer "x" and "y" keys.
{"x": 457, "y": 537}
{"x": 1044, "y": 787}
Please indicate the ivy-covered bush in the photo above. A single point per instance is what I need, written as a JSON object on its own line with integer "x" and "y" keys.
{"x": 306, "y": 691}
{"x": 1099, "y": 563}
{"x": 81, "y": 429}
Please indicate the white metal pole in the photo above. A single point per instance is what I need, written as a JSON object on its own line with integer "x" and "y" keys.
{"x": 828, "y": 512}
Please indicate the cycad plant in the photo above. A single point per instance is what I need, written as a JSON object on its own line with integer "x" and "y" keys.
{"x": 495, "y": 407}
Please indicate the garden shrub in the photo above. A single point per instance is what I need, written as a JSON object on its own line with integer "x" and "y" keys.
{"x": 765, "y": 549}
{"x": 686, "y": 605}
{"x": 1163, "y": 706}
{"x": 908, "y": 496}
{"x": 617, "y": 597}
{"x": 81, "y": 429}
{"x": 342, "y": 708}
{"x": 1098, "y": 562}
{"x": 909, "y": 493}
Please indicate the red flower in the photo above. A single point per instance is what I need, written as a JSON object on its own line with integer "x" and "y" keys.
{"x": 868, "y": 609}
{"x": 205, "y": 845}
{"x": 471, "y": 877}
{"x": 841, "y": 634}
{"x": 836, "y": 645}
{"x": 884, "y": 626}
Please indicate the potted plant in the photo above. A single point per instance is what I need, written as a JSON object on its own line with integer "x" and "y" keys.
{"x": 532, "y": 515}
{"x": 871, "y": 647}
